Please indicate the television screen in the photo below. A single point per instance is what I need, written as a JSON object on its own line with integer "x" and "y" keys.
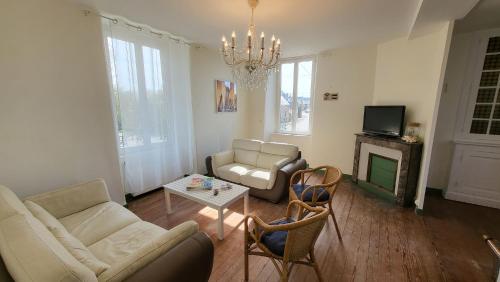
{"x": 384, "y": 120}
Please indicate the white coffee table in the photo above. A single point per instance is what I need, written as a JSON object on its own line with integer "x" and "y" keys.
{"x": 219, "y": 202}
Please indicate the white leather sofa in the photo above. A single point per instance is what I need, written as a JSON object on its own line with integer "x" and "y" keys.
{"x": 265, "y": 167}
{"x": 78, "y": 234}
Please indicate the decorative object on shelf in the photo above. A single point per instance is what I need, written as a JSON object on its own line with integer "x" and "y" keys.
{"x": 226, "y": 98}
{"x": 251, "y": 64}
{"x": 412, "y": 133}
{"x": 330, "y": 96}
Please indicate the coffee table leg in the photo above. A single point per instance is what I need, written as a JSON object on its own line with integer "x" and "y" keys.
{"x": 167, "y": 202}
{"x": 220, "y": 224}
{"x": 245, "y": 204}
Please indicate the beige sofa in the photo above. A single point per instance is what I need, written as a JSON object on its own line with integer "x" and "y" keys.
{"x": 265, "y": 167}
{"x": 78, "y": 234}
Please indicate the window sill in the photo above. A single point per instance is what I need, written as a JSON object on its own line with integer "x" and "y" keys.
{"x": 292, "y": 134}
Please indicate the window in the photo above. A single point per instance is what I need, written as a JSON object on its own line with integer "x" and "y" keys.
{"x": 295, "y": 90}
{"x": 485, "y": 114}
{"x": 140, "y": 99}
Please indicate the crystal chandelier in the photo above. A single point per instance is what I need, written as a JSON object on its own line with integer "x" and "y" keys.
{"x": 251, "y": 65}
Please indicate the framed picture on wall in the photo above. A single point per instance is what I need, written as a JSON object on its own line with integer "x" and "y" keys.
{"x": 226, "y": 99}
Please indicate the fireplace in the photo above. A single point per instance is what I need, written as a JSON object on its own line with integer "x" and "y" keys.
{"x": 382, "y": 172}
{"x": 388, "y": 167}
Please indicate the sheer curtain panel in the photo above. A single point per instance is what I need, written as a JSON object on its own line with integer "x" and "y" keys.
{"x": 151, "y": 93}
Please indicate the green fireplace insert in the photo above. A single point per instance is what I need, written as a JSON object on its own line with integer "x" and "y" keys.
{"x": 382, "y": 171}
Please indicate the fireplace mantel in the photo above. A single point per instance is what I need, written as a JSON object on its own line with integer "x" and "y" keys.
{"x": 409, "y": 167}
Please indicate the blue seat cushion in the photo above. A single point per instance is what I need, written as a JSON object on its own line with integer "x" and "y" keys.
{"x": 299, "y": 188}
{"x": 275, "y": 241}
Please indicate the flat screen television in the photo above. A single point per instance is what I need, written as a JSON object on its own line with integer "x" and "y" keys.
{"x": 384, "y": 120}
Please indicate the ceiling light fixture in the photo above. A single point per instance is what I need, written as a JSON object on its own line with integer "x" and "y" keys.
{"x": 251, "y": 64}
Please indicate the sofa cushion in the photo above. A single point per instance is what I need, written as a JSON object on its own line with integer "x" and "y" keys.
{"x": 256, "y": 178}
{"x": 246, "y": 157}
{"x": 133, "y": 247}
{"x": 126, "y": 241}
{"x": 73, "y": 245}
{"x": 69, "y": 200}
{"x": 246, "y": 151}
{"x": 10, "y": 204}
{"x": 32, "y": 253}
{"x": 281, "y": 149}
{"x": 233, "y": 172}
{"x": 267, "y": 161}
{"x": 247, "y": 144}
{"x": 98, "y": 222}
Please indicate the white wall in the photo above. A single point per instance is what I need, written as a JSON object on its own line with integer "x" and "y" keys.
{"x": 455, "y": 81}
{"x": 409, "y": 72}
{"x": 349, "y": 72}
{"x": 56, "y": 125}
{"x": 214, "y": 131}
{"x": 255, "y": 118}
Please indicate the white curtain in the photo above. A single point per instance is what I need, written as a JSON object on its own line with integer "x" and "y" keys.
{"x": 151, "y": 94}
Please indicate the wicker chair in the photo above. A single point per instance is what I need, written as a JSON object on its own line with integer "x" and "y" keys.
{"x": 286, "y": 241}
{"x": 317, "y": 194}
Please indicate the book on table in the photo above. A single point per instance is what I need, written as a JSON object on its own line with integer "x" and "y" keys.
{"x": 200, "y": 183}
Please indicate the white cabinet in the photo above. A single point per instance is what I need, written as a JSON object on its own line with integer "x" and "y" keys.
{"x": 475, "y": 174}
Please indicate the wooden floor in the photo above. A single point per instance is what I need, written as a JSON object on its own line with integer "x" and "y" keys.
{"x": 381, "y": 242}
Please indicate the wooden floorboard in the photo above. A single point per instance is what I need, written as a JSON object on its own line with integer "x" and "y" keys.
{"x": 381, "y": 242}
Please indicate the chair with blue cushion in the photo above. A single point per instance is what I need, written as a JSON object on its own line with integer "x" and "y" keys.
{"x": 286, "y": 241}
{"x": 316, "y": 187}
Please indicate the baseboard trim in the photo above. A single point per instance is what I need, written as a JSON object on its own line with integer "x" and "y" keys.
{"x": 481, "y": 201}
{"x": 129, "y": 197}
{"x": 419, "y": 211}
{"x": 346, "y": 177}
{"x": 434, "y": 191}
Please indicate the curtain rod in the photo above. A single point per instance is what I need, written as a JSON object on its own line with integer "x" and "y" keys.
{"x": 140, "y": 27}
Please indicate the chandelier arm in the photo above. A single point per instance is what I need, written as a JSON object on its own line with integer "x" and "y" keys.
{"x": 272, "y": 64}
{"x": 225, "y": 57}
{"x": 272, "y": 60}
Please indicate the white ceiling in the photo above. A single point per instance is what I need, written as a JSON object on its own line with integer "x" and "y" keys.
{"x": 485, "y": 15}
{"x": 304, "y": 26}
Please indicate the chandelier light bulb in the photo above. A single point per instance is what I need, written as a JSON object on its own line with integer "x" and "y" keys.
{"x": 249, "y": 33}
{"x": 223, "y": 39}
{"x": 233, "y": 35}
{"x": 273, "y": 38}
{"x": 262, "y": 35}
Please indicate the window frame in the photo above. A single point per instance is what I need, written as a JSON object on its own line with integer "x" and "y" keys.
{"x": 295, "y": 61}
{"x": 478, "y": 53}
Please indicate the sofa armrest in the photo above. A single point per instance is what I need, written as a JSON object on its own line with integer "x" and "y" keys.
{"x": 274, "y": 171}
{"x": 69, "y": 200}
{"x": 222, "y": 158}
{"x": 150, "y": 252}
{"x": 190, "y": 260}
{"x": 284, "y": 174}
{"x": 292, "y": 167}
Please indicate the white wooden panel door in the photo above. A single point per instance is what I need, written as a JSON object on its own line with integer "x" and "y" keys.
{"x": 475, "y": 175}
